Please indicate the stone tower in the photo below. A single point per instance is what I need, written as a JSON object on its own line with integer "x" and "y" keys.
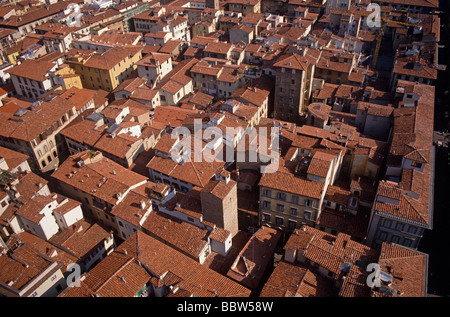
{"x": 212, "y": 4}
{"x": 219, "y": 202}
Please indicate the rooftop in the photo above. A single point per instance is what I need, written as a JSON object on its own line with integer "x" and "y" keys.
{"x": 101, "y": 177}
{"x": 192, "y": 277}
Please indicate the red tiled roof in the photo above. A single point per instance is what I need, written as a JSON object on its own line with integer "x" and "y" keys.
{"x": 12, "y": 158}
{"x": 118, "y": 275}
{"x": 320, "y": 164}
{"x": 285, "y": 180}
{"x": 192, "y": 276}
{"x": 290, "y": 280}
{"x": 294, "y": 61}
{"x": 32, "y": 69}
{"x": 181, "y": 235}
{"x": 113, "y": 178}
{"x": 329, "y": 251}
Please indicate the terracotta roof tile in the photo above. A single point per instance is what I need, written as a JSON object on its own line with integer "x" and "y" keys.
{"x": 12, "y": 158}
{"x": 285, "y": 180}
{"x": 290, "y": 280}
{"x": 117, "y": 275}
{"x": 195, "y": 278}
{"x": 113, "y": 178}
{"x": 32, "y": 69}
{"x": 179, "y": 234}
{"x": 329, "y": 251}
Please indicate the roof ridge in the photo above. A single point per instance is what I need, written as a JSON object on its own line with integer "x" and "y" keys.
{"x": 130, "y": 259}
{"x": 410, "y": 203}
{"x": 195, "y": 170}
{"x": 402, "y": 257}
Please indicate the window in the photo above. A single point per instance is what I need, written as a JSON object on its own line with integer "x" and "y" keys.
{"x": 407, "y": 242}
{"x": 280, "y": 208}
{"x": 266, "y": 204}
{"x": 59, "y": 288}
{"x": 395, "y": 239}
{"x": 382, "y": 236}
{"x": 292, "y": 224}
{"x": 266, "y": 218}
{"x": 399, "y": 226}
{"x": 387, "y": 223}
{"x": 308, "y": 202}
{"x": 412, "y": 229}
{"x": 279, "y": 221}
{"x": 281, "y": 196}
{"x": 294, "y": 211}
{"x": 295, "y": 199}
{"x": 307, "y": 215}
{"x": 266, "y": 192}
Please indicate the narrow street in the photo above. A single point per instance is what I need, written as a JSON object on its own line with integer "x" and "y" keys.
{"x": 435, "y": 242}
